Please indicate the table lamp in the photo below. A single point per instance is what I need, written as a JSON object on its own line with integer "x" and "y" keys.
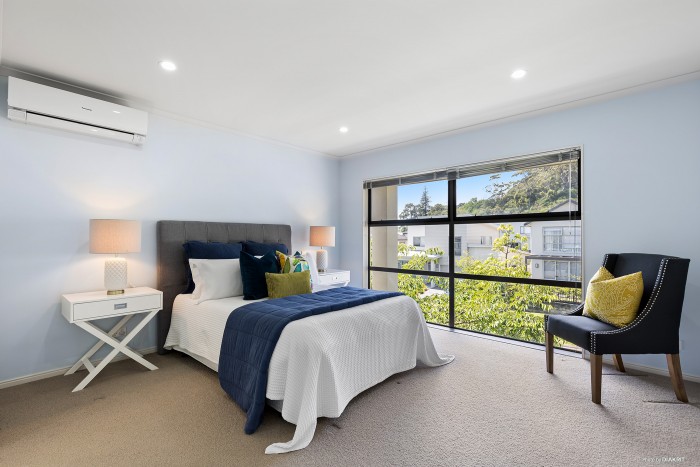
{"x": 115, "y": 236}
{"x": 322, "y": 235}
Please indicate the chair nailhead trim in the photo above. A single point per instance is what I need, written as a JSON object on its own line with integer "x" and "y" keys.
{"x": 647, "y": 308}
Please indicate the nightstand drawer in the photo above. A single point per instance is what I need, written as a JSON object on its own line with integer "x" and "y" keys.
{"x": 335, "y": 277}
{"x": 118, "y": 306}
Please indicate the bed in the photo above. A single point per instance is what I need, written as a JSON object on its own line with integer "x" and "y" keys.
{"x": 320, "y": 362}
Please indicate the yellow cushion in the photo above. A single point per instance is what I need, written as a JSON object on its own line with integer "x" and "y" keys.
{"x": 283, "y": 285}
{"x": 613, "y": 300}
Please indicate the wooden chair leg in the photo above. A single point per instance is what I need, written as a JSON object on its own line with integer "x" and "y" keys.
{"x": 674, "y": 369}
{"x": 617, "y": 360}
{"x": 549, "y": 351}
{"x": 596, "y": 377}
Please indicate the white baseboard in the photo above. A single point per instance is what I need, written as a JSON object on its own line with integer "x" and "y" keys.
{"x": 60, "y": 371}
{"x": 653, "y": 370}
{"x": 584, "y": 354}
{"x": 645, "y": 368}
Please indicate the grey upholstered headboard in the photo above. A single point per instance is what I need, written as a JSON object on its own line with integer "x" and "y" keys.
{"x": 172, "y": 266}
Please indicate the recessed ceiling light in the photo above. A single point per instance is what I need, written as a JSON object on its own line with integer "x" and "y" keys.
{"x": 343, "y": 129}
{"x": 116, "y": 111}
{"x": 167, "y": 65}
{"x": 93, "y": 129}
{"x": 519, "y": 73}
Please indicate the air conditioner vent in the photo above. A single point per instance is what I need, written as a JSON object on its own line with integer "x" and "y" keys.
{"x": 37, "y": 104}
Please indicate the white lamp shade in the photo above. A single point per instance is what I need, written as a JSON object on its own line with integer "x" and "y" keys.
{"x": 115, "y": 236}
{"x": 322, "y": 235}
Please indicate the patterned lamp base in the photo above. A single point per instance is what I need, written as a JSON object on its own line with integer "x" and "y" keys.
{"x": 115, "y": 275}
{"x": 322, "y": 260}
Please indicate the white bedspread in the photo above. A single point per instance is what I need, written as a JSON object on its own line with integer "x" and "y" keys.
{"x": 320, "y": 363}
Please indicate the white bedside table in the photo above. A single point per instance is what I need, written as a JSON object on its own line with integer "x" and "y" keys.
{"x": 331, "y": 278}
{"x": 81, "y": 308}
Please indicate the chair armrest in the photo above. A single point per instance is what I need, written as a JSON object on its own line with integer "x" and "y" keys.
{"x": 578, "y": 311}
{"x": 609, "y": 263}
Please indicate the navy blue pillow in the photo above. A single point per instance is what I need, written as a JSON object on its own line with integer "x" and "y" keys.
{"x": 253, "y": 273}
{"x": 208, "y": 250}
{"x": 259, "y": 249}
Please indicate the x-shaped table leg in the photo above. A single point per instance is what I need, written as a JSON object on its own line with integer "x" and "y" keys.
{"x": 85, "y": 359}
{"x": 119, "y": 346}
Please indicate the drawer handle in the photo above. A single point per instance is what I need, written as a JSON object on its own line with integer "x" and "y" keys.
{"x": 120, "y": 306}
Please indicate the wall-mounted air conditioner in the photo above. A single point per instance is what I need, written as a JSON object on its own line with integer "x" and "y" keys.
{"x": 46, "y": 106}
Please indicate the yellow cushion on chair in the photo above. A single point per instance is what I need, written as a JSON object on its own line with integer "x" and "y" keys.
{"x": 613, "y": 300}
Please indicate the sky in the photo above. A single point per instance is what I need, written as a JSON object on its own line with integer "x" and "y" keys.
{"x": 467, "y": 188}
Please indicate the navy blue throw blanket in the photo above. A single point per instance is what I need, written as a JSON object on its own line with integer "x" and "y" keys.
{"x": 252, "y": 332}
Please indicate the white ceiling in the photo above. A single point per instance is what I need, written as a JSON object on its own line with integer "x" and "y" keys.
{"x": 390, "y": 70}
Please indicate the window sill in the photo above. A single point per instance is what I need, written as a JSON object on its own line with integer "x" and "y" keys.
{"x": 505, "y": 340}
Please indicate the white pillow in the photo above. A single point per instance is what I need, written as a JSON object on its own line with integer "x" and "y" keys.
{"x": 310, "y": 257}
{"x": 216, "y": 278}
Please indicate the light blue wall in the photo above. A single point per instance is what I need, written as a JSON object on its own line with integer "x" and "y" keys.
{"x": 52, "y": 182}
{"x": 641, "y": 167}
{"x": 641, "y": 182}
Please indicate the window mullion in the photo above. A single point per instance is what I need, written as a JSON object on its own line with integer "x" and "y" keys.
{"x": 451, "y": 215}
{"x": 369, "y": 237}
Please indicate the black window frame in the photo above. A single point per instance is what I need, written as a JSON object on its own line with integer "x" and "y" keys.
{"x": 451, "y": 221}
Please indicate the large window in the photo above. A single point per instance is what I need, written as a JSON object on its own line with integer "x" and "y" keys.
{"x": 487, "y": 247}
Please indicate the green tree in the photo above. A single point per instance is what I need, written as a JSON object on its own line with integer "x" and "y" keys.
{"x": 410, "y": 211}
{"x": 438, "y": 210}
{"x": 508, "y": 241}
{"x": 539, "y": 189}
{"x": 492, "y": 307}
{"x": 404, "y": 249}
{"x": 423, "y": 206}
{"x": 415, "y": 285}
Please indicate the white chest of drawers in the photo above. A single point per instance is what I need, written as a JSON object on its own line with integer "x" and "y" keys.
{"x": 333, "y": 278}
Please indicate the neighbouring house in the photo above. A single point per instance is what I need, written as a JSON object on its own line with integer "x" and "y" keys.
{"x": 555, "y": 247}
{"x": 475, "y": 240}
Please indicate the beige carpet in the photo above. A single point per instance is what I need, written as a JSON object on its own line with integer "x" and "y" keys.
{"x": 494, "y": 405}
